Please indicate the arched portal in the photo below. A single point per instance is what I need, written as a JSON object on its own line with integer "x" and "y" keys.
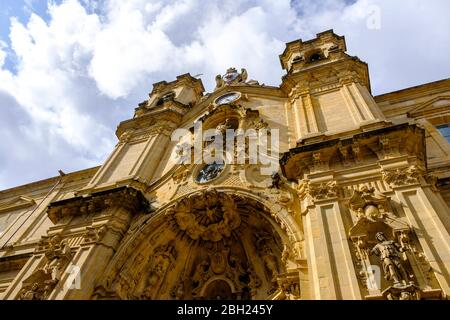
{"x": 208, "y": 245}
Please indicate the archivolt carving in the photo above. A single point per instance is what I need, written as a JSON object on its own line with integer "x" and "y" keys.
{"x": 209, "y": 216}
{"x": 162, "y": 261}
{"x": 244, "y": 264}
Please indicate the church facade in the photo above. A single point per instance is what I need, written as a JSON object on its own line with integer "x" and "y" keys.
{"x": 315, "y": 189}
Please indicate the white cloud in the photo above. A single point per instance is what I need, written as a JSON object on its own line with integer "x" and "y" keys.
{"x": 84, "y": 69}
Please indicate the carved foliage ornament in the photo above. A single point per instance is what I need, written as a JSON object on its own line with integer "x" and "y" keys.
{"x": 368, "y": 204}
{"x": 318, "y": 191}
{"x": 217, "y": 264}
{"x": 42, "y": 281}
{"x": 127, "y": 198}
{"x": 402, "y": 176}
{"x": 209, "y": 216}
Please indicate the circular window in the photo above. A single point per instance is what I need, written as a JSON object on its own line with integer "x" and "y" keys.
{"x": 228, "y": 98}
{"x": 209, "y": 172}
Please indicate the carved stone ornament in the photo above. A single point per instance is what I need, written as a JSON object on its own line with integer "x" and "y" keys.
{"x": 289, "y": 286}
{"x": 366, "y": 203}
{"x": 318, "y": 191}
{"x": 389, "y": 253}
{"x": 123, "y": 197}
{"x": 40, "y": 284}
{"x": 162, "y": 260}
{"x": 230, "y": 77}
{"x": 94, "y": 234}
{"x": 402, "y": 176}
{"x": 408, "y": 292}
{"x": 216, "y": 266}
{"x": 209, "y": 216}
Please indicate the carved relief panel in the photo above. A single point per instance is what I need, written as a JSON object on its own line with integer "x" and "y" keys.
{"x": 209, "y": 245}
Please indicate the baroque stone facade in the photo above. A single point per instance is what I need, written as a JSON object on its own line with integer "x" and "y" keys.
{"x": 359, "y": 208}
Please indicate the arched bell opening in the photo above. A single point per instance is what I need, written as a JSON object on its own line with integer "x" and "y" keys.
{"x": 211, "y": 245}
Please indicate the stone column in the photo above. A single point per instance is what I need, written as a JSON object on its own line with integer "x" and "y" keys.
{"x": 305, "y": 118}
{"x": 92, "y": 228}
{"x": 429, "y": 217}
{"x": 332, "y": 273}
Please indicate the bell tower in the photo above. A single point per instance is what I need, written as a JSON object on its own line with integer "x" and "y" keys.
{"x": 329, "y": 90}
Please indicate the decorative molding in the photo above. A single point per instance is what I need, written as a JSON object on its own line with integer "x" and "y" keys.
{"x": 403, "y": 176}
{"x": 40, "y": 284}
{"x": 123, "y": 197}
{"x": 369, "y": 204}
{"x": 17, "y": 203}
{"x": 220, "y": 215}
{"x": 318, "y": 154}
{"x": 318, "y": 191}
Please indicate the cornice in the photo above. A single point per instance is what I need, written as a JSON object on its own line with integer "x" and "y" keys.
{"x": 123, "y": 197}
{"x": 317, "y": 78}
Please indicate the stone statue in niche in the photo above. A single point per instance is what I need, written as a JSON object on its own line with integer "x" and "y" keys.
{"x": 178, "y": 290}
{"x": 270, "y": 261}
{"x": 236, "y": 264}
{"x": 162, "y": 261}
{"x": 254, "y": 282}
{"x": 156, "y": 274}
{"x": 266, "y": 254}
{"x": 389, "y": 253}
{"x": 200, "y": 274}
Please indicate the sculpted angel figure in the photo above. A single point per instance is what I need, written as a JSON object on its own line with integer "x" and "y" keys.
{"x": 244, "y": 75}
{"x": 219, "y": 82}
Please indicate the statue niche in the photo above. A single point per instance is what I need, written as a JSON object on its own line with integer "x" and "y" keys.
{"x": 390, "y": 265}
{"x": 389, "y": 253}
{"x": 269, "y": 259}
{"x": 161, "y": 262}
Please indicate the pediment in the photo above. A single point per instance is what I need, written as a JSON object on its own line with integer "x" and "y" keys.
{"x": 17, "y": 203}
{"x": 431, "y": 106}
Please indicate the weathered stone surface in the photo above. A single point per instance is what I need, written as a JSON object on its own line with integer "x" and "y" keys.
{"x": 358, "y": 210}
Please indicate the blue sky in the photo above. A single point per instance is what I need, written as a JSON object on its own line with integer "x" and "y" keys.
{"x": 71, "y": 70}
